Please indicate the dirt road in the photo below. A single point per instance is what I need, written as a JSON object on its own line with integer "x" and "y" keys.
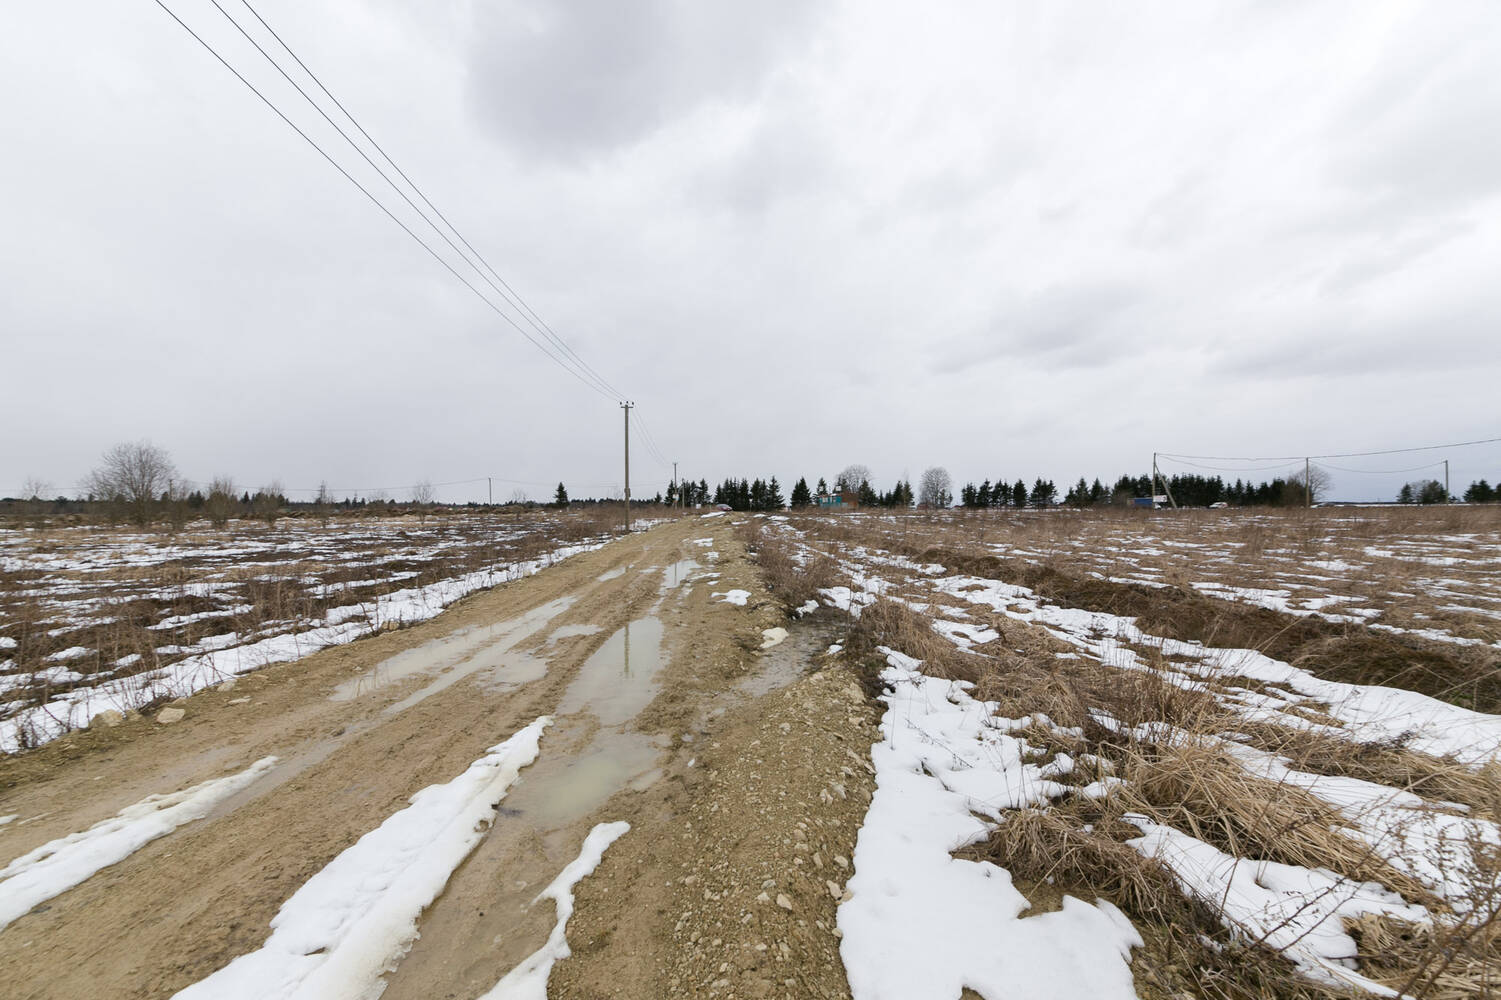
{"x": 743, "y": 775}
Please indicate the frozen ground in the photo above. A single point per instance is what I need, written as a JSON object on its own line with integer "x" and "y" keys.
{"x": 951, "y": 769}
{"x": 94, "y": 620}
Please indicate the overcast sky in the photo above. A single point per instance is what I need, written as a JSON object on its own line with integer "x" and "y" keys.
{"x": 1012, "y": 239}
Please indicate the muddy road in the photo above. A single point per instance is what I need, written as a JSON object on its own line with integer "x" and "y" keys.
{"x": 743, "y": 774}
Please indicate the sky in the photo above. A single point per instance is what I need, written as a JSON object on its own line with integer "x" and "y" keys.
{"x": 1013, "y": 240}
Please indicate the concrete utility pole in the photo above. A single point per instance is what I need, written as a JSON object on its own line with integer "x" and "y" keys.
{"x": 490, "y": 486}
{"x": 627, "y": 408}
{"x": 1307, "y": 485}
{"x": 1446, "y": 480}
{"x": 675, "y": 490}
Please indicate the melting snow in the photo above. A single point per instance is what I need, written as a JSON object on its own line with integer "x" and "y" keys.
{"x": 61, "y": 864}
{"x": 335, "y": 936}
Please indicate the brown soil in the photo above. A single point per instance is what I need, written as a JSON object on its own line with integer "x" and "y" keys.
{"x": 661, "y": 916}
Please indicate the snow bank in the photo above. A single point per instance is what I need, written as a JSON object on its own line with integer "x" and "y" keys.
{"x": 61, "y": 864}
{"x": 528, "y": 981}
{"x": 1371, "y": 714}
{"x": 1296, "y": 911}
{"x": 733, "y": 596}
{"x": 920, "y": 923}
{"x": 349, "y": 924}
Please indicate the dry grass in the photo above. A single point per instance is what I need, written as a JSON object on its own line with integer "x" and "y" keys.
{"x": 119, "y": 595}
{"x": 1165, "y": 743}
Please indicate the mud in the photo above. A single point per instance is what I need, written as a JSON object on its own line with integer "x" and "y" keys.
{"x": 666, "y": 713}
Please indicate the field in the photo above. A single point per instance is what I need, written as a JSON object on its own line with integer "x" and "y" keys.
{"x": 1254, "y": 735}
{"x": 94, "y": 619}
{"x": 1223, "y": 754}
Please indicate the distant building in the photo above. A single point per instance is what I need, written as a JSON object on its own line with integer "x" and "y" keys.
{"x": 846, "y": 500}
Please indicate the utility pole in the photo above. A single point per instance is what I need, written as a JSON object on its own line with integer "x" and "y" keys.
{"x": 676, "y": 490}
{"x": 1165, "y": 487}
{"x": 1446, "y": 480}
{"x": 490, "y": 486}
{"x": 1307, "y": 485}
{"x": 627, "y": 408}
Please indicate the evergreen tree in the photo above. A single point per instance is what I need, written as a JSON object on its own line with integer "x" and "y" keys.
{"x": 982, "y": 495}
{"x": 1019, "y": 494}
{"x": 1043, "y": 493}
{"x": 1432, "y": 492}
{"x": 774, "y": 499}
{"x": 868, "y": 497}
{"x": 967, "y": 495}
{"x": 823, "y": 487}
{"x": 1480, "y": 491}
{"x": 801, "y": 498}
{"x": 561, "y": 497}
{"x": 1096, "y": 492}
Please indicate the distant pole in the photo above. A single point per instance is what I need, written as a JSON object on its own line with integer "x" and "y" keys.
{"x": 627, "y": 408}
{"x": 1307, "y": 485}
{"x": 675, "y": 489}
{"x": 1446, "y": 480}
{"x": 1154, "y": 480}
{"x": 490, "y": 486}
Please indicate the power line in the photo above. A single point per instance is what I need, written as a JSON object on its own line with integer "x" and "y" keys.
{"x": 1348, "y": 454}
{"x": 651, "y": 443}
{"x": 376, "y": 201}
{"x": 504, "y": 288}
{"x": 1225, "y": 468}
{"x": 1384, "y": 472}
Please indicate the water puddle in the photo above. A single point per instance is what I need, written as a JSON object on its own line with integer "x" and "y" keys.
{"x": 611, "y": 574}
{"x": 801, "y": 651}
{"x": 619, "y": 680}
{"x": 488, "y": 651}
{"x": 676, "y": 574}
{"x": 561, "y": 788}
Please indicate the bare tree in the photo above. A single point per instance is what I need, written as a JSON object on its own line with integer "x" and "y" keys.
{"x": 934, "y": 488}
{"x": 267, "y": 503}
{"x": 1319, "y": 482}
{"x": 422, "y": 498}
{"x": 220, "y": 503}
{"x": 130, "y": 479}
{"x": 851, "y": 478}
{"x": 35, "y": 489}
{"x": 323, "y": 503}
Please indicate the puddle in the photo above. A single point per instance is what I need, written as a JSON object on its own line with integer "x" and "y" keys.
{"x": 619, "y": 680}
{"x": 611, "y": 574}
{"x": 674, "y": 575}
{"x": 784, "y": 663}
{"x": 488, "y": 651}
{"x": 561, "y": 788}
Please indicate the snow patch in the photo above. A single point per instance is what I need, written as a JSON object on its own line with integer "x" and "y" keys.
{"x": 528, "y": 981}
{"x": 920, "y": 923}
{"x": 59, "y": 865}
{"x": 350, "y": 923}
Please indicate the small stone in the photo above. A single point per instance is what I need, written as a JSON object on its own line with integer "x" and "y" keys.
{"x": 109, "y": 717}
{"x": 167, "y": 716}
{"x": 834, "y": 891}
{"x": 238, "y": 701}
{"x": 783, "y": 901}
{"x": 227, "y": 686}
{"x": 763, "y": 898}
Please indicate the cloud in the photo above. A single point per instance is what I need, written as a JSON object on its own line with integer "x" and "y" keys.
{"x": 1064, "y": 327}
{"x": 568, "y": 80}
